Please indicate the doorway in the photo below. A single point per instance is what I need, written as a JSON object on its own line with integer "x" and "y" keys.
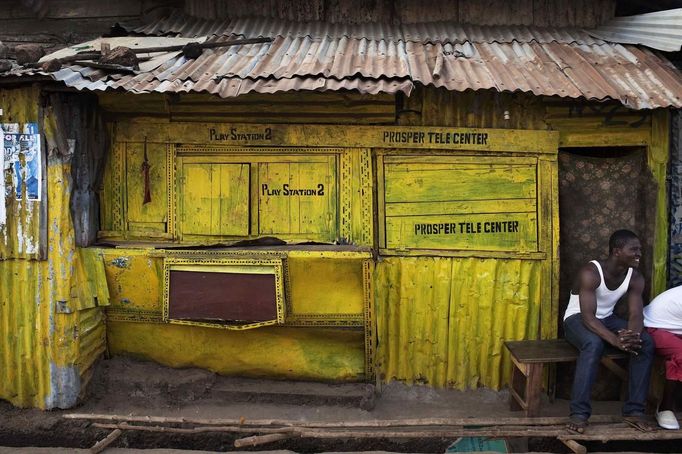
{"x": 601, "y": 190}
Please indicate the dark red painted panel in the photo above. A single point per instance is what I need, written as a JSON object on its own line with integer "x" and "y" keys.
{"x": 222, "y": 296}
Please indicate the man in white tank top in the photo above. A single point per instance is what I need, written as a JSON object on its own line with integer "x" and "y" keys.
{"x": 590, "y": 325}
{"x": 663, "y": 319}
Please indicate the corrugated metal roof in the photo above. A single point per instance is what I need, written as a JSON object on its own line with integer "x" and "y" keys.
{"x": 444, "y": 32}
{"x": 636, "y": 77}
{"x": 661, "y": 30}
{"x": 231, "y": 86}
{"x": 597, "y": 71}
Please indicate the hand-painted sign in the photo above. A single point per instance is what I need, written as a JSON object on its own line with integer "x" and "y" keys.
{"x": 457, "y": 137}
{"x": 287, "y": 190}
{"x": 297, "y": 198}
{"x": 419, "y": 137}
{"x": 240, "y": 134}
{"x": 466, "y": 227}
{"x": 443, "y": 202}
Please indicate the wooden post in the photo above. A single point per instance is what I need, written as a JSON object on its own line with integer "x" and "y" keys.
{"x": 574, "y": 446}
{"x": 518, "y": 380}
{"x": 102, "y": 444}
{"x": 533, "y": 389}
{"x": 261, "y": 439}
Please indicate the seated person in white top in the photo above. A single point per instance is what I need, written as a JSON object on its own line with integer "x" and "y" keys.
{"x": 589, "y": 325}
{"x": 663, "y": 319}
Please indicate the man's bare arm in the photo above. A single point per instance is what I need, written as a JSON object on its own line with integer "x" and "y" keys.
{"x": 589, "y": 281}
{"x": 635, "y": 303}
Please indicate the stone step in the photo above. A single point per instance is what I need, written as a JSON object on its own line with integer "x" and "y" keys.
{"x": 152, "y": 382}
{"x": 359, "y": 395}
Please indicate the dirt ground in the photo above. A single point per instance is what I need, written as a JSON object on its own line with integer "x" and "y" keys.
{"x": 123, "y": 386}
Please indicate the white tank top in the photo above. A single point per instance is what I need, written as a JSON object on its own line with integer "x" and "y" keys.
{"x": 606, "y": 299}
{"x": 665, "y": 311}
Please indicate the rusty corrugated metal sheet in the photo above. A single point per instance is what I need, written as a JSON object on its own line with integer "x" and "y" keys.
{"x": 441, "y": 322}
{"x": 232, "y": 87}
{"x": 660, "y": 30}
{"x": 20, "y": 218}
{"x": 24, "y": 332}
{"x": 444, "y": 32}
{"x": 558, "y": 64}
{"x": 92, "y": 337}
{"x": 636, "y": 77}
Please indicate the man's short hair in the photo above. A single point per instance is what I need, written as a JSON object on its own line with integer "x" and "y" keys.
{"x": 619, "y": 238}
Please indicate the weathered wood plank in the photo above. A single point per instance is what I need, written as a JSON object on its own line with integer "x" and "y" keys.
{"x": 297, "y": 198}
{"x": 340, "y": 108}
{"x": 422, "y": 183}
{"x": 494, "y": 12}
{"x": 469, "y": 139}
{"x": 462, "y": 207}
{"x": 604, "y": 138}
{"x": 412, "y": 11}
{"x": 155, "y": 212}
{"x": 214, "y": 199}
{"x": 579, "y": 13}
{"x": 491, "y": 232}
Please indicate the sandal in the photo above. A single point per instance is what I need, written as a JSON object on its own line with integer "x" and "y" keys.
{"x": 576, "y": 425}
{"x": 639, "y": 422}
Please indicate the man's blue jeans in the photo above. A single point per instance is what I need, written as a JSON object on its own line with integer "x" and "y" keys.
{"x": 591, "y": 348}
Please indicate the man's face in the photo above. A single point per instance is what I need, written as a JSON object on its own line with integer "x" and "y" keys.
{"x": 630, "y": 253}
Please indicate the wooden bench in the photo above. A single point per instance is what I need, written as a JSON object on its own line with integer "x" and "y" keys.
{"x": 529, "y": 358}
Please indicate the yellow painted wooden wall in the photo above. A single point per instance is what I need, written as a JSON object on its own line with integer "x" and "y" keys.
{"x": 440, "y": 311}
{"x": 439, "y": 325}
{"x": 323, "y": 336}
{"x": 521, "y": 302}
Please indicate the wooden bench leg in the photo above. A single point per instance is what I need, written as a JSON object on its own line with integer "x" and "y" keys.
{"x": 518, "y": 382}
{"x": 533, "y": 389}
{"x": 526, "y": 388}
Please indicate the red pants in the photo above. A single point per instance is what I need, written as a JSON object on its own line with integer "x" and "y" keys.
{"x": 669, "y": 346}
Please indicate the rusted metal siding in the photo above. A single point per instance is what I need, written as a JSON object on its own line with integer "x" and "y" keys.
{"x": 443, "y": 321}
{"x": 20, "y": 218}
{"x": 429, "y": 106}
{"x": 336, "y": 107}
{"x": 56, "y": 24}
{"x": 24, "y": 330}
{"x": 584, "y": 13}
{"x": 50, "y": 333}
{"x": 432, "y": 32}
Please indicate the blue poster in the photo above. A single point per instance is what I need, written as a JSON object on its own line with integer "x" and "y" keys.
{"x": 22, "y": 154}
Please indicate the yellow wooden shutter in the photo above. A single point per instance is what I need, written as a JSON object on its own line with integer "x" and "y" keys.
{"x": 215, "y": 199}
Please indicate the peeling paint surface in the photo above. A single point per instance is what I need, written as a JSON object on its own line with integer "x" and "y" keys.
{"x": 121, "y": 262}
{"x": 66, "y": 387}
{"x": 442, "y": 322}
{"x": 44, "y": 354}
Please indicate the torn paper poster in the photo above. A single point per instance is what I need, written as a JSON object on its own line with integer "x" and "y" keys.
{"x": 23, "y": 157}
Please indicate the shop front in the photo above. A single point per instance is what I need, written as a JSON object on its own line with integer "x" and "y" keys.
{"x": 283, "y": 250}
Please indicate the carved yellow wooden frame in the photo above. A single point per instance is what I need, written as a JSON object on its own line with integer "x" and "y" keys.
{"x": 198, "y": 262}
